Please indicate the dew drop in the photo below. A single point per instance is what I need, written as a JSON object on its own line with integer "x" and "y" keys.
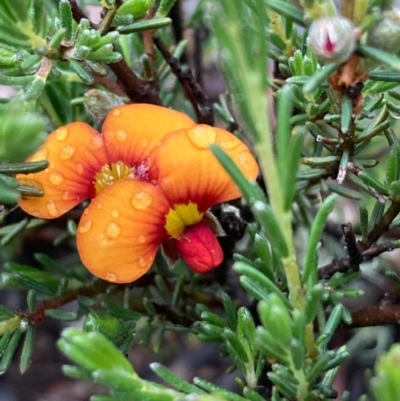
{"x": 111, "y": 277}
{"x": 113, "y": 230}
{"x": 202, "y": 136}
{"x": 41, "y": 154}
{"x": 67, "y": 152}
{"x": 230, "y": 144}
{"x": 116, "y": 112}
{"x": 52, "y": 208}
{"x": 245, "y": 160}
{"x": 96, "y": 142}
{"x": 142, "y": 262}
{"x": 144, "y": 143}
{"x": 66, "y": 195}
{"x": 141, "y": 239}
{"x": 115, "y": 213}
{"x": 86, "y": 211}
{"x": 80, "y": 169}
{"x": 99, "y": 206}
{"x": 141, "y": 200}
{"x": 61, "y": 134}
{"x": 56, "y": 178}
{"x": 85, "y": 227}
{"x": 121, "y": 135}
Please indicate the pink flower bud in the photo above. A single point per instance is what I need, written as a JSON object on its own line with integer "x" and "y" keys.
{"x": 332, "y": 39}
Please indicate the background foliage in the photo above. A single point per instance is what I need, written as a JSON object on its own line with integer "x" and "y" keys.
{"x": 291, "y": 289}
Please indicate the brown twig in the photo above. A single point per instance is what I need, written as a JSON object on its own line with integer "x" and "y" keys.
{"x": 78, "y": 14}
{"x": 377, "y": 315}
{"x": 193, "y": 90}
{"x": 343, "y": 265}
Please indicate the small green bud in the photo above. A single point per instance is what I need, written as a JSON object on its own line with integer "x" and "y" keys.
{"x": 109, "y": 326}
{"x": 98, "y": 103}
{"x": 332, "y": 39}
{"x": 385, "y": 33}
{"x": 394, "y": 191}
{"x": 137, "y": 8}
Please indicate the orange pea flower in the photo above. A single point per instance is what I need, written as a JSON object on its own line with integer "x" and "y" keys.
{"x": 151, "y": 177}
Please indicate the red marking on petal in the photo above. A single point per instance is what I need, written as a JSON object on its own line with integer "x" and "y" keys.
{"x": 199, "y": 247}
{"x": 329, "y": 45}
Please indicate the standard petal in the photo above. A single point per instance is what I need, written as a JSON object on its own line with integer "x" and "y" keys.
{"x": 132, "y": 131}
{"x": 75, "y": 153}
{"x": 121, "y": 230}
{"x": 186, "y": 169}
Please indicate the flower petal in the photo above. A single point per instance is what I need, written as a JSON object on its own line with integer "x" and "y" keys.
{"x": 121, "y": 230}
{"x": 132, "y": 131}
{"x": 187, "y": 170}
{"x": 75, "y": 153}
{"x": 199, "y": 247}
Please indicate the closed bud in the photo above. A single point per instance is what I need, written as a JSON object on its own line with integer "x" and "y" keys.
{"x": 98, "y": 104}
{"x": 385, "y": 33}
{"x": 332, "y": 39}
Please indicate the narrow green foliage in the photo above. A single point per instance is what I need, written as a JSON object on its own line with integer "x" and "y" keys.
{"x": 311, "y": 259}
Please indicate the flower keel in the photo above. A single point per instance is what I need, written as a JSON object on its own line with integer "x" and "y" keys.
{"x": 199, "y": 247}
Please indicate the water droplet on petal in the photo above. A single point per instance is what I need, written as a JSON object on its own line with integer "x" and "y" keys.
{"x": 230, "y": 144}
{"x": 66, "y": 195}
{"x": 116, "y": 112}
{"x": 144, "y": 142}
{"x": 86, "y": 211}
{"x": 245, "y": 160}
{"x": 85, "y": 227}
{"x": 114, "y": 213}
{"x": 56, "y": 178}
{"x": 96, "y": 142}
{"x": 67, "y": 152}
{"x": 121, "y": 135}
{"x": 202, "y": 136}
{"x": 99, "y": 206}
{"x": 141, "y": 200}
{"x": 52, "y": 208}
{"x": 80, "y": 169}
{"x": 41, "y": 154}
{"x": 113, "y": 230}
{"x": 61, "y": 134}
{"x": 142, "y": 262}
{"x": 141, "y": 239}
{"x": 111, "y": 277}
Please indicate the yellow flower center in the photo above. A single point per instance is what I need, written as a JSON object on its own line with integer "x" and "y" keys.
{"x": 111, "y": 173}
{"x": 181, "y": 216}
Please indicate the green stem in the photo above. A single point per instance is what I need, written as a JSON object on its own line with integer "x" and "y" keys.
{"x": 269, "y": 170}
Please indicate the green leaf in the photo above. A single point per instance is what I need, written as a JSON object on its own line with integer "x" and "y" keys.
{"x": 380, "y": 56}
{"x": 265, "y": 283}
{"x": 320, "y": 76}
{"x": 146, "y": 25}
{"x": 175, "y": 381}
{"x": 287, "y": 10}
{"x": 311, "y": 258}
{"x": 10, "y": 350}
{"x": 63, "y": 315}
{"x": 27, "y": 349}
